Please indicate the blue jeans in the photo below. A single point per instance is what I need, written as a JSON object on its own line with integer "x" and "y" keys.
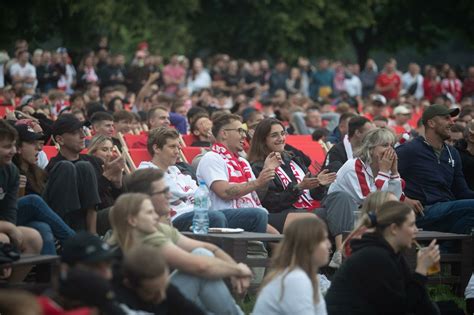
{"x": 249, "y": 219}
{"x": 451, "y": 216}
{"x": 35, "y": 213}
{"x": 211, "y": 295}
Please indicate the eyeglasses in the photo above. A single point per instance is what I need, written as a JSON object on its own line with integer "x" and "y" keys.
{"x": 241, "y": 131}
{"x": 161, "y": 192}
{"x": 278, "y": 134}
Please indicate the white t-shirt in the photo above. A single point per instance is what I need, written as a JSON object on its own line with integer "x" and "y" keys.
{"x": 297, "y": 296}
{"x": 353, "y": 86}
{"x": 213, "y": 167}
{"x": 408, "y": 80}
{"x": 27, "y": 71}
{"x": 182, "y": 188}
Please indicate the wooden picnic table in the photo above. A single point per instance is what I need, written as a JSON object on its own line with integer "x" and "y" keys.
{"x": 236, "y": 244}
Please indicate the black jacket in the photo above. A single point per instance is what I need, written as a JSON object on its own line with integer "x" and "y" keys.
{"x": 335, "y": 158}
{"x": 376, "y": 280}
{"x": 276, "y": 199}
{"x": 467, "y": 163}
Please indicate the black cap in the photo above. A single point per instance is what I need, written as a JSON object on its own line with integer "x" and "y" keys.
{"x": 85, "y": 248}
{"x": 438, "y": 110}
{"x": 66, "y": 123}
{"x": 26, "y": 133}
{"x": 90, "y": 289}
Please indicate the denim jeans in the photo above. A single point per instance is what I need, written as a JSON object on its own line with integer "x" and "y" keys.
{"x": 35, "y": 213}
{"x": 451, "y": 216}
{"x": 249, "y": 219}
{"x": 211, "y": 295}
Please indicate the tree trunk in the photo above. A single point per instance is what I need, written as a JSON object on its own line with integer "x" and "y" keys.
{"x": 362, "y": 42}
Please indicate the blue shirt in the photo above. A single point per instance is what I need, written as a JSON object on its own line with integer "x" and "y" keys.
{"x": 428, "y": 178}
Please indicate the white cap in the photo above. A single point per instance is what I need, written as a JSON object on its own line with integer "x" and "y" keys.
{"x": 401, "y": 110}
{"x": 379, "y": 98}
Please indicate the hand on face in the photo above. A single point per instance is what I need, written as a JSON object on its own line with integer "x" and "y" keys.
{"x": 386, "y": 160}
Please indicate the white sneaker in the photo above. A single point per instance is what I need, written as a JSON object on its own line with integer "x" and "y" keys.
{"x": 336, "y": 260}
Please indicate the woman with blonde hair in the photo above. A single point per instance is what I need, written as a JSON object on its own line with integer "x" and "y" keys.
{"x": 376, "y": 278}
{"x": 102, "y": 147}
{"x": 292, "y": 286}
{"x": 371, "y": 203}
{"x": 374, "y": 168}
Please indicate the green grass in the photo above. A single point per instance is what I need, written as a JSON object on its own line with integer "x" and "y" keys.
{"x": 439, "y": 292}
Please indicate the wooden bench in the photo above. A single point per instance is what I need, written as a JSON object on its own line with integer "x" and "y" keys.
{"x": 236, "y": 245}
{"x": 47, "y": 266}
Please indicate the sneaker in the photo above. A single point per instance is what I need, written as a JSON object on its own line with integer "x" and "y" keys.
{"x": 336, "y": 260}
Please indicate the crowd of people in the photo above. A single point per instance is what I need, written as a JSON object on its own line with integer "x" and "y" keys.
{"x": 399, "y": 151}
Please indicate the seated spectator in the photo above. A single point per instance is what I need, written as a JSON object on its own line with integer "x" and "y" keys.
{"x": 102, "y": 124}
{"x": 320, "y": 134}
{"x": 466, "y": 150}
{"x": 229, "y": 177}
{"x": 88, "y": 252}
{"x": 293, "y": 192}
{"x": 79, "y": 183}
{"x": 377, "y": 107}
{"x": 434, "y": 178}
{"x": 26, "y": 239}
{"x": 400, "y": 124}
{"x": 456, "y": 134}
{"x": 158, "y": 117}
{"x": 123, "y": 121}
{"x": 201, "y": 128}
{"x": 163, "y": 145}
{"x": 380, "y": 122}
{"x": 372, "y": 203}
{"x": 373, "y": 168}
{"x": 115, "y": 105}
{"x": 341, "y": 130}
{"x": 342, "y": 151}
{"x": 376, "y": 278}
{"x": 143, "y": 285}
{"x": 306, "y": 123}
{"x": 134, "y": 222}
{"x": 292, "y": 285}
{"x": 32, "y": 209}
{"x": 102, "y": 147}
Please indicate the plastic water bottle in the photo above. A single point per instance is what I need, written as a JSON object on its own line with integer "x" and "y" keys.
{"x": 201, "y": 209}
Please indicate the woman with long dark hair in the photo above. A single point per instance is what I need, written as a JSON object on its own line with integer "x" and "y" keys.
{"x": 294, "y": 192}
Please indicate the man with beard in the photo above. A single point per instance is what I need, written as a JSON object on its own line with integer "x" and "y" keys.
{"x": 433, "y": 173}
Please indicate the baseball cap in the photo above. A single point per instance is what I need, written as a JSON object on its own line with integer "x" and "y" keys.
{"x": 26, "y": 133}
{"x": 401, "y": 110}
{"x": 438, "y": 110}
{"x": 379, "y": 98}
{"x": 66, "y": 123}
{"x": 86, "y": 248}
{"x": 90, "y": 289}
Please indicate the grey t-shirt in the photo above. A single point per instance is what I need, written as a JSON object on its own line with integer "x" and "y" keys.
{"x": 297, "y": 296}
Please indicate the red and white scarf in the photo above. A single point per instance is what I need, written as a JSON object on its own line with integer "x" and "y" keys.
{"x": 305, "y": 201}
{"x": 239, "y": 172}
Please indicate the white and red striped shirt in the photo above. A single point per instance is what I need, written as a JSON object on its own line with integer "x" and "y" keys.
{"x": 357, "y": 179}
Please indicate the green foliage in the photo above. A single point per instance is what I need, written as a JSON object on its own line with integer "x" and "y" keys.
{"x": 242, "y": 28}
